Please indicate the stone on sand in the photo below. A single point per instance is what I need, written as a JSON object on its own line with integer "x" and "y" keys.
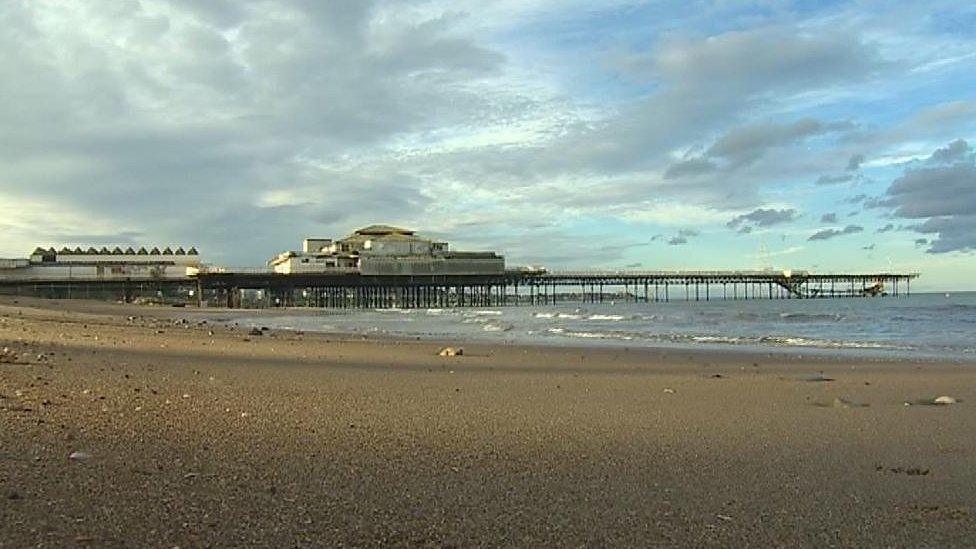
{"x": 450, "y": 351}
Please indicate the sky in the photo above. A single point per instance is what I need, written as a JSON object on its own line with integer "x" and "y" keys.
{"x": 691, "y": 134}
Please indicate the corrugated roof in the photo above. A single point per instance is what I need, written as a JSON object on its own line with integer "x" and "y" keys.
{"x": 115, "y": 251}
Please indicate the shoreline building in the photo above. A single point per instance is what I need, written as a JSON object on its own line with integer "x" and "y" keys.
{"x": 384, "y": 250}
{"x": 89, "y": 264}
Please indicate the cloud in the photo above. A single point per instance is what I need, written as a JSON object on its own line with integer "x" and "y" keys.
{"x": 855, "y": 162}
{"x": 687, "y": 106}
{"x": 827, "y": 234}
{"x": 690, "y": 168}
{"x": 828, "y": 218}
{"x": 240, "y": 127}
{"x": 919, "y": 242}
{"x": 747, "y": 144}
{"x": 683, "y": 236}
{"x": 834, "y": 179}
{"x": 887, "y": 228}
{"x": 763, "y": 218}
{"x": 212, "y": 110}
{"x": 939, "y": 193}
{"x": 868, "y": 248}
{"x": 957, "y": 151}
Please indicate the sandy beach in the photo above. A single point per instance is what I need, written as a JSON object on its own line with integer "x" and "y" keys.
{"x": 125, "y": 426}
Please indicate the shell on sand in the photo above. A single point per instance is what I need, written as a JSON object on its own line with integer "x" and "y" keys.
{"x": 944, "y": 400}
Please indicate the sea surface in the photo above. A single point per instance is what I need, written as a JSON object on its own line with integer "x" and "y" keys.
{"x": 937, "y": 326}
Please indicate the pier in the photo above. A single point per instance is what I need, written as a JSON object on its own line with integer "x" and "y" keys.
{"x": 235, "y": 290}
{"x": 261, "y": 289}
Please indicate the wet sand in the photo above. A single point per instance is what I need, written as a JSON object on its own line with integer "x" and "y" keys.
{"x": 193, "y": 440}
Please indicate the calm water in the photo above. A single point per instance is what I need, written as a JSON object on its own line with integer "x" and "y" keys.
{"x": 923, "y": 325}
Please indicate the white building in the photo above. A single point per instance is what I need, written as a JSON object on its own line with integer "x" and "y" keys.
{"x": 385, "y": 250}
{"x": 102, "y": 264}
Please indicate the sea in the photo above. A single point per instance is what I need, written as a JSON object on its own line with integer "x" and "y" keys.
{"x": 925, "y": 325}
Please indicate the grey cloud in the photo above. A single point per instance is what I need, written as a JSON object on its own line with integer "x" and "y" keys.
{"x": 763, "y": 217}
{"x": 205, "y": 107}
{"x": 957, "y": 151}
{"x": 855, "y": 162}
{"x": 683, "y": 236}
{"x": 171, "y": 111}
{"x": 690, "y": 167}
{"x": 856, "y": 199}
{"x": 827, "y": 234}
{"x": 744, "y": 61}
{"x": 746, "y": 144}
{"x": 887, "y": 228}
{"x": 828, "y": 218}
{"x": 940, "y": 193}
{"x": 921, "y": 241}
{"x": 834, "y": 179}
{"x": 688, "y": 105}
{"x": 868, "y": 248}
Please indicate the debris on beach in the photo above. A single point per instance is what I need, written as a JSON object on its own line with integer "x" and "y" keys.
{"x": 79, "y": 456}
{"x": 450, "y": 351}
{"x": 910, "y": 471}
{"x": 669, "y": 391}
{"x": 943, "y": 400}
{"x": 9, "y": 356}
{"x": 818, "y": 378}
{"x": 842, "y": 403}
{"x": 255, "y": 332}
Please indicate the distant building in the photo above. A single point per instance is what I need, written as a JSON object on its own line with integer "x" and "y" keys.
{"x": 102, "y": 264}
{"x": 385, "y": 250}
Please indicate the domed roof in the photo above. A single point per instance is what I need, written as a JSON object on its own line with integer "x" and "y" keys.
{"x": 380, "y": 230}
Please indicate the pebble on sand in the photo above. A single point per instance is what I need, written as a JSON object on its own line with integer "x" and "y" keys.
{"x": 79, "y": 456}
{"x": 450, "y": 351}
{"x": 944, "y": 399}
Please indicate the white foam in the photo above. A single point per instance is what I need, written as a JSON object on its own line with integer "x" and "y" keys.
{"x": 605, "y": 317}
